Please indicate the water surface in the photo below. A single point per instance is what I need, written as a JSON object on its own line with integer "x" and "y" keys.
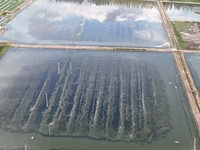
{"x": 89, "y": 23}
{"x": 16, "y": 59}
{"x": 182, "y": 12}
{"x": 193, "y": 61}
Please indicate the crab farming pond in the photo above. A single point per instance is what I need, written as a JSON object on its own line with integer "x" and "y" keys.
{"x": 193, "y": 61}
{"x": 182, "y": 12}
{"x": 130, "y": 24}
{"x": 93, "y": 100}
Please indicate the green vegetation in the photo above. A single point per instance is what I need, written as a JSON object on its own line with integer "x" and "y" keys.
{"x": 3, "y": 49}
{"x": 2, "y": 13}
{"x": 198, "y": 24}
{"x": 93, "y": 97}
{"x": 197, "y": 12}
{"x": 178, "y": 36}
{"x": 10, "y": 5}
{"x": 183, "y": 26}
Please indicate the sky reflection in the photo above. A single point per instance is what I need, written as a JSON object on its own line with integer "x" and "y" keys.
{"x": 50, "y": 22}
{"x": 183, "y": 12}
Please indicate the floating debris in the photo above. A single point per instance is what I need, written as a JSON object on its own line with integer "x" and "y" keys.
{"x": 25, "y": 147}
{"x": 176, "y": 142}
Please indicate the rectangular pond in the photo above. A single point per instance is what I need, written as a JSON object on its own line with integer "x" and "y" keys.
{"x": 129, "y": 24}
{"x": 69, "y": 99}
{"x": 193, "y": 61}
{"x": 182, "y": 11}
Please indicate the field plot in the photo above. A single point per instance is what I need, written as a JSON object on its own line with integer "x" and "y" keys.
{"x": 107, "y": 95}
{"x": 51, "y": 22}
{"x": 188, "y": 34}
{"x": 9, "y": 5}
{"x": 110, "y": 98}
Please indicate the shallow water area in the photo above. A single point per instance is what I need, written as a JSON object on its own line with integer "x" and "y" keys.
{"x": 129, "y": 24}
{"x": 21, "y": 58}
{"x": 193, "y": 61}
{"x": 182, "y": 12}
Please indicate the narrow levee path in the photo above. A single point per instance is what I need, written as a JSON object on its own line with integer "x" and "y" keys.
{"x": 79, "y": 47}
{"x": 166, "y": 25}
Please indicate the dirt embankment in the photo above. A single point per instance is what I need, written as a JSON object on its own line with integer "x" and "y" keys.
{"x": 2, "y": 30}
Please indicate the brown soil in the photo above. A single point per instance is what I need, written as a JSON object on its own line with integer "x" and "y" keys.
{"x": 2, "y": 30}
{"x": 192, "y": 36}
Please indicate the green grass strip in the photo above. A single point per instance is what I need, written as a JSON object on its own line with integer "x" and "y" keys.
{"x": 15, "y": 6}
{"x": 11, "y": 5}
{"x": 178, "y": 37}
{"x": 3, "y": 49}
{"x": 198, "y": 23}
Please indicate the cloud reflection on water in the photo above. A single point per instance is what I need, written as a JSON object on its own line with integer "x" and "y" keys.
{"x": 182, "y": 12}
{"x": 50, "y": 22}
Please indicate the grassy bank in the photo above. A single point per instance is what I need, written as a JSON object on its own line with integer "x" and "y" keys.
{"x": 198, "y": 23}
{"x": 178, "y": 36}
{"x": 3, "y": 49}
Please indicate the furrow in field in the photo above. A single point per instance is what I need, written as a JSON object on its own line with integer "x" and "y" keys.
{"x": 86, "y": 109}
{"x": 27, "y": 98}
{"x": 62, "y": 115}
{"x": 30, "y": 124}
{"x": 102, "y": 100}
{"x": 143, "y": 84}
{"x": 138, "y": 106}
{"x": 112, "y": 122}
{"x": 133, "y": 99}
{"x": 76, "y": 113}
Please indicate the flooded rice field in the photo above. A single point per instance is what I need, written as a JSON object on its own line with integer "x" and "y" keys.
{"x": 182, "y": 12}
{"x": 193, "y": 61}
{"x": 130, "y": 24}
{"x": 93, "y": 100}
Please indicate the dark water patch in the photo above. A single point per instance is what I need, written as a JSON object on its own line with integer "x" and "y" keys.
{"x": 194, "y": 76}
{"x": 107, "y": 70}
{"x": 35, "y": 97}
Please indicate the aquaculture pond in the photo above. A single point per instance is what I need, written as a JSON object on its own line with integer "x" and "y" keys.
{"x": 182, "y": 11}
{"x": 193, "y": 61}
{"x": 130, "y": 24}
{"x": 69, "y": 99}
